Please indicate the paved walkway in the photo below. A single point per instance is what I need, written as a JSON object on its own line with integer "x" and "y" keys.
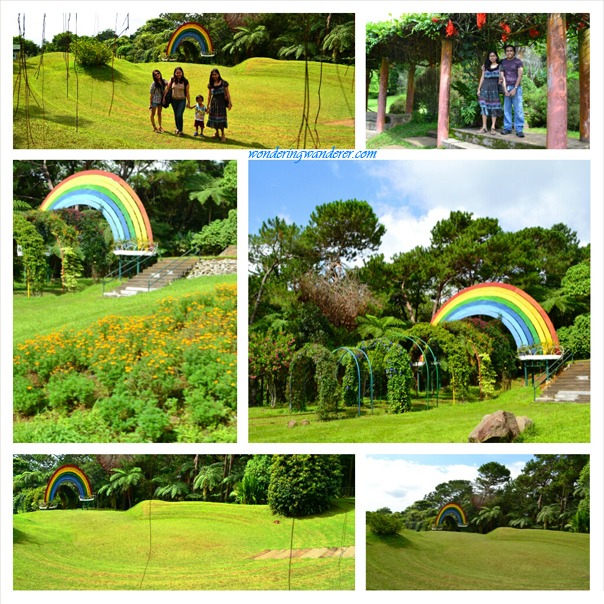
{"x": 314, "y": 552}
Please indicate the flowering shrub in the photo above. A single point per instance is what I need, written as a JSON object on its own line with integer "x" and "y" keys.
{"x": 149, "y": 378}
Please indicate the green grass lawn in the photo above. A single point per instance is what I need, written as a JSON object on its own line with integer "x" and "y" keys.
{"x": 55, "y": 311}
{"x": 372, "y": 102}
{"x": 505, "y": 559}
{"x": 447, "y": 423}
{"x": 194, "y": 546}
{"x": 397, "y": 135}
{"x": 267, "y": 96}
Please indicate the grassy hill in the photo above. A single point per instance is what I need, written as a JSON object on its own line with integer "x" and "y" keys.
{"x": 194, "y": 546}
{"x": 505, "y": 559}
{"x": 54, "y": 311}
{"x": 111, "y": 106}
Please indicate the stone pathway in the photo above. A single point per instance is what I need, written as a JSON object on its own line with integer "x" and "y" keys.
{"x": 314, "y": 552}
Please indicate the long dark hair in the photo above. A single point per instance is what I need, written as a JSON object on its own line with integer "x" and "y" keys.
{"x": 211, "y": 82}
{"x": 160, "y": 82}
{"x": 183, "y": 80}
{"x": 487, "y": 61}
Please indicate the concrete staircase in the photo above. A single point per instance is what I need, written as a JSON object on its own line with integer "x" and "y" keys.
{"x": 572, "y": 385}
{"x": 154, "y": 277}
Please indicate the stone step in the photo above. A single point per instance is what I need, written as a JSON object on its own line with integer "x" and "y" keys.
{"x": 531, "y": 140}
{"x": 451, "y": 143}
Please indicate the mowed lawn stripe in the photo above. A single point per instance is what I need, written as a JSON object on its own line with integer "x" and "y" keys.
{"x": 268, "y": 101}
{"x": 193, "y": 546}
{"x": 505, "y": 559}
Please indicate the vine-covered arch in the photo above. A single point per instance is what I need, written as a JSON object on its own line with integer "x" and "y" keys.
{"x": 318, "y": 360}
{"x": 399, "y": 375}
{"x": 31, "y": 232}
{"x": 348, "y": 387}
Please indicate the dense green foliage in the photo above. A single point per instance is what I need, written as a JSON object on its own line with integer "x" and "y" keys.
{"x": 302, "y": 485}
{"x": 384, "y": 522}
{"x": 180, "y": 198}
{"x": 217, "y": 236}
{"x": 235, "y": 37}
{"x": 89, "y": 52}
{"x": 551, "y": 493}
{"x": 304, "y": 293}
{"x": 123, "y": 481}
{"x": 412, "y": 41}
{"x": 166, "y": 375}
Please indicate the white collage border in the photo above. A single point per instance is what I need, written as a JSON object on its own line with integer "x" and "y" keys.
{"x": 363, "y": 11}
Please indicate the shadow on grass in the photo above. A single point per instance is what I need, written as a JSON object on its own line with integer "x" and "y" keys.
{"x": 395, "y": 541}
{"x": 340, "y": 507}
{"x": 21, "y": 537}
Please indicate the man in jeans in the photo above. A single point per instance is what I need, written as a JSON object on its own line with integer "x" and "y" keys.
{"x": 512, "y": 70}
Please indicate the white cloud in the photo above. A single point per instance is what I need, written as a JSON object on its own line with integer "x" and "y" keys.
{"x": 398, "y": 483}
{"x": 412, "y": 196}
{"x": 403, "y": 230}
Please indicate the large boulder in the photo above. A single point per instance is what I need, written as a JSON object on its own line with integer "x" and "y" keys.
{"x": 498, "y": 427}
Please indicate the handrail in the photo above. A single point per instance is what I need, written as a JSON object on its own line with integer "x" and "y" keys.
{"x": 123, "y": 270}
{"x": 551, "y": 370}
{"x": 170, "y": 267}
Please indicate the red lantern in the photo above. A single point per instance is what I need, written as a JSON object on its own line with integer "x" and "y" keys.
{"x": 481, "y": 19}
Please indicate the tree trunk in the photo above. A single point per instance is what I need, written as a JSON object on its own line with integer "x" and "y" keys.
{"x": 410, "y": 89}
{"x": 584, "y": 63}
{"x": 444, "y": 93}
{"x": 556, "y": 82}
{"x": 382, "y": 96}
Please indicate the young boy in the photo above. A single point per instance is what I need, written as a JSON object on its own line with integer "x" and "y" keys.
{"x": 200, "y": 111}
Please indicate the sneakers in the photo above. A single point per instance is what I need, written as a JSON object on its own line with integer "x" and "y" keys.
{"x": 520, "y": 134}
{"x": 506, "y": 132}
{"x": 196, "y": 134}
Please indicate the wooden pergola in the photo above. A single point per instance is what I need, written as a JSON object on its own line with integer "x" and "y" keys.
{"x": 411, "y": 42}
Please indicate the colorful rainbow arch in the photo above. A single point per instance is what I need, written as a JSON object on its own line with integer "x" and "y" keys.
{"x": 104, "y": 191}
{"x": 519, "y": 312}
{"x": 73, "y": 475}
{"x": 454, "y": 510}
{"x": 191, "y": 31}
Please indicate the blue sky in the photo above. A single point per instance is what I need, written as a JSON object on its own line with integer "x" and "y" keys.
{"x": 409, "y": 197}
{"x": 397, "y": 481}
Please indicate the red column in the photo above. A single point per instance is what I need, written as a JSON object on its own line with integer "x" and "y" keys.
{"x": 410, "y": 89}
{"x": 584, "y": 84}
{"x": 556, "y": 82}
{"x": 444, "y": 93}
{"x": 382, "y": 95}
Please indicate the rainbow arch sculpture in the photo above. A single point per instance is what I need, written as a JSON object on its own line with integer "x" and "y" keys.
{"x": 520, "y": 313}
{"x": 454, "y": 511}
{"x": 107, "y": 192}
{"x": 68, "y": 474}
{"x": 191, "y": 31}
